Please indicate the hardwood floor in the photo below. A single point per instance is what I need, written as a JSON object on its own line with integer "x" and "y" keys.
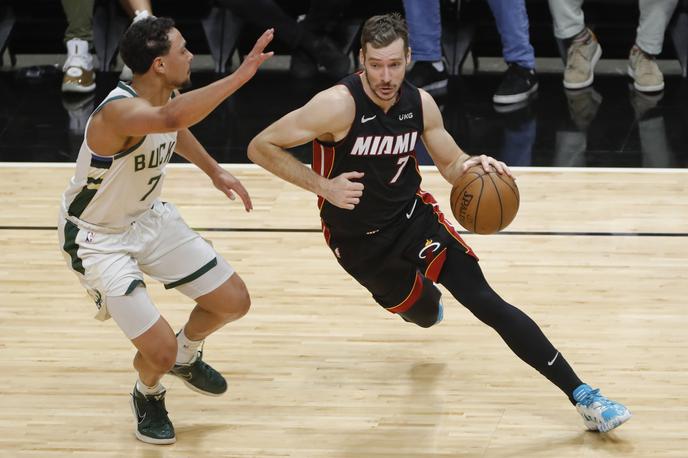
{"x": 598, "y": 258}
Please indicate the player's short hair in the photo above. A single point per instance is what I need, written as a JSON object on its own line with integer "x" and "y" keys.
{"x": 383, "y": 30}
{"x": 145, "y": 40}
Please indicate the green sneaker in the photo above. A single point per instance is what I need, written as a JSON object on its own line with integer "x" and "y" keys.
{"x": 200, "y": 377}
{"x": 153, "y": 426}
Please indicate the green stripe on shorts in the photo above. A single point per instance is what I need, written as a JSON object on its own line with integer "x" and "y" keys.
{"x": 133, "y": 285}
{"x": 193, "y": 276}
{"x": 71, "y": 247}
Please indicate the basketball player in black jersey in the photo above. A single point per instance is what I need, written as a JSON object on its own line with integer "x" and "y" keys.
{"x": 383, "y": 229}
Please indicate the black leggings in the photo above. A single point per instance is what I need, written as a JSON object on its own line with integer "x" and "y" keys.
{"x": 462, "y": 276}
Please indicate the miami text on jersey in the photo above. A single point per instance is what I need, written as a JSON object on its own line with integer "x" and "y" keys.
{"x": 376, "y": 145}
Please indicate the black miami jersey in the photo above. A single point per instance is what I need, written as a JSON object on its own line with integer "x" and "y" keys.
{"x": 383, "y": 147}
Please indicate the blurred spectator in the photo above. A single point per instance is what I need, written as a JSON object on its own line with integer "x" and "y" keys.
{"x": 137, "y": 10}
{"x": 79, "y": 74}
{"x": 428, "y": 72}
{"x": 584, "y": 51}
{"x": 307, "y": 40}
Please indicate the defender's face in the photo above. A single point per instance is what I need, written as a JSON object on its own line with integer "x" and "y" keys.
{"x": 385, "y": 68}
{"x": 177, "y": 62}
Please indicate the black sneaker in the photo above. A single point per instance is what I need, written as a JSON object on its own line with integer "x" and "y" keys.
{"x": 152, "y": 423}
{"x": 326, "y": 53}
{"x": 517, "y": 84}
{"x": 302, "y": 65}
{"x": 424, "y": 75}
{"x": 200, "y": 377}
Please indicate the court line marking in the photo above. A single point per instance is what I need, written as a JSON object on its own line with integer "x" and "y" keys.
{"x": 315, "y": 230}
{"x": 62, "y": 165}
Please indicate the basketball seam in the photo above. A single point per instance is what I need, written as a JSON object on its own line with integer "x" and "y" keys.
{"x": 501, "y": 206}
{"x": 509, "y": 186}
{"x": 477, "y": 204}
{"x": 458, "y": 194}
{"x": 469, "y": 183}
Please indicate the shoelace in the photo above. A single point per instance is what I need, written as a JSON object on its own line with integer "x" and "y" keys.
{"x": 595, "y": 396}
{"x": 644, "y": 64}
{"x": 156, "y": 405}
{"x": 576, "y": 50}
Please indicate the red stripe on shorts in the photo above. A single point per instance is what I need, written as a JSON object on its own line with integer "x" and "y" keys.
{"x": 412, "y": 297}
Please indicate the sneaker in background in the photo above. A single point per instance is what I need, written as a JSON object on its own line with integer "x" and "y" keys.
{"x": 581, "y": 58}
{"x": 79, "y": 75}
{"x": 644, "y": 70}
{"x": 518, "y": 83}
{"x": 426, "y": 76}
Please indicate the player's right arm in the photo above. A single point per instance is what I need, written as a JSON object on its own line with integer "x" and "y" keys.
{"x": 327, "y": 116}
{"x": 136, "y": 117}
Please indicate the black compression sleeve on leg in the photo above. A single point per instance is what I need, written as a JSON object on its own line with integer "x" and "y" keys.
{"x": 462, "y": 276}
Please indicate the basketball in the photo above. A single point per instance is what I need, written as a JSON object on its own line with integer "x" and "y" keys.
{"x": 484, "y": 203}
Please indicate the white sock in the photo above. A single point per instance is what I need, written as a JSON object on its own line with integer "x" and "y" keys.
{"x": 140, "y": 14}
{"x": 439, "y": 66}
{"x": 186, "y": 348}
{"x": 148, "y": 390}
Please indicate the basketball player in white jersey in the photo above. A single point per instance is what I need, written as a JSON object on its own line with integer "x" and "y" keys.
{"x": 113, "y": 227}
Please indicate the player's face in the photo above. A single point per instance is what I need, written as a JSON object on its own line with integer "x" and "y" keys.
{"x": 177, "y": 62}
{"x": 385, "y": 68}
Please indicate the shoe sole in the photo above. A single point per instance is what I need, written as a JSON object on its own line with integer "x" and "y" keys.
{"x": 435, "y": 86}
{"x": 655, "y": 88}
{"x": 606, "y": 427}
{"x": 515, "y": 98}
{"x": 588, "y": 82}
{"x": 146, "y": 439}
{"x": 78, "y": 88}
{"x": 198, "y": 390}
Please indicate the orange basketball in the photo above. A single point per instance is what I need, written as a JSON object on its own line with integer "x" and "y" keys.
{"x": 484, "y": 203}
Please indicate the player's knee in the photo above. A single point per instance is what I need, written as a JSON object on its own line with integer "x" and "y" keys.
{"x": 237, "y": 303}
{"x": 241, "y": 302}
{"x": 427, "y": 310}
{"x": 164, "y": 356}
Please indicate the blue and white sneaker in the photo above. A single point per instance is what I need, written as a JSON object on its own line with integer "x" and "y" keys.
{"x": 599, "y": 413}
{"x": 440, "y": 312}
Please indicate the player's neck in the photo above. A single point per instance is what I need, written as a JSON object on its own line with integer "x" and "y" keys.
{"x": 152, "y": 89}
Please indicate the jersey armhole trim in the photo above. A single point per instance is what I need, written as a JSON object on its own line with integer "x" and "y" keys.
{"x": 127, "y": 88}
{"x": 129, "y": 150}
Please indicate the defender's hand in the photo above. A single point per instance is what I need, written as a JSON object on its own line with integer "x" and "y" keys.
{"x": 344, "y": 193}
{"x": 487, "y": 162}
{"x": 256, "y": 57}
{"x": 229, "y": 184}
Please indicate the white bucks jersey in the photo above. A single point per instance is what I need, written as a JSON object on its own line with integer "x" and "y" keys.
{"x": 111, "y": 192}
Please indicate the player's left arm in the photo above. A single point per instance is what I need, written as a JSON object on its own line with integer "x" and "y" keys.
{"x": 191, "y": 149}
{"x": 449, "y": 158}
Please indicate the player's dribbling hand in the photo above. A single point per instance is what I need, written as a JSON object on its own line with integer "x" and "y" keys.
{"x": 488, "y": 163}
{"x": 344, "y": 193}
{"x": 229, "y": 184}
{"x": 256, "y": 57}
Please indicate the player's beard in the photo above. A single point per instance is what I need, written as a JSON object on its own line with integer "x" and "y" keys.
{"x": 394, "y": 95}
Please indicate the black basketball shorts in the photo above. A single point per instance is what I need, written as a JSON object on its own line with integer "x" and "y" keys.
{"x": 391, "y": 262}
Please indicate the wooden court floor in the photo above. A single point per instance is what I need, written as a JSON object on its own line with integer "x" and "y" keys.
{"x": 598, "y": 258}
